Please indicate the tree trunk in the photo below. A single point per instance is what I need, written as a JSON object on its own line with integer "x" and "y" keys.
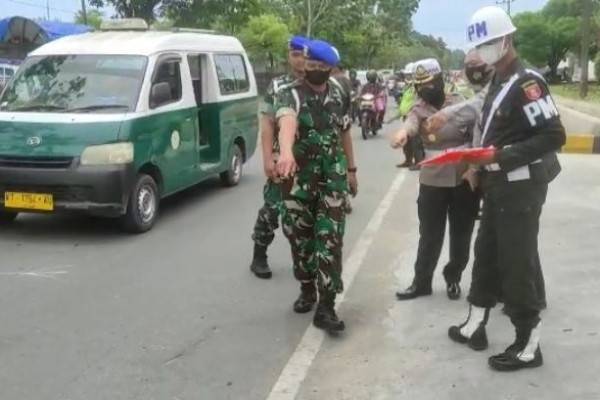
{"x": 309, "y": 18}
{"x": 585, "y": 48}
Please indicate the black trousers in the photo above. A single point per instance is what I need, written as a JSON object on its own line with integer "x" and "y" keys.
{"x": 507, "y": 263}
{"x": 458, "y": 205}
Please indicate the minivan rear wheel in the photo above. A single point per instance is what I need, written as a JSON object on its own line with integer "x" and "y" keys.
{"x": 142, "y": 207}
{"x": 6, "y": 217}
{"x": 232, "y": 176}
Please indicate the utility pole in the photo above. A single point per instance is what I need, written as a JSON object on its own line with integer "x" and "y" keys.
{"x": 585, "y": 47}
{"x": 507, "y": 2}
{"x": 48, "y": 10}
{"x": 83, "y": 12}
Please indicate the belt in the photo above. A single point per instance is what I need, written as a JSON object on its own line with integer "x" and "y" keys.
{"x": 518, "y": 174}
{"x": 432, "y": 153}
{"x": 492, "y": 167}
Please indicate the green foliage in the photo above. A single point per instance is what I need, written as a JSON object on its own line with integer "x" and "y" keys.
{"x": 545, "y": 37}
{"x": 265, "y": 38}
{"x": 225, "y": 16}
{"x": 571, "y": 91}
{"x": 368, "y": 33}
{"x": 131, "y": 8}
{"x": 94, "y": 18}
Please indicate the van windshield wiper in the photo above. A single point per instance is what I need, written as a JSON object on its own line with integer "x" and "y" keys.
{"x": 95, "y": 107}
{"x": 39, "y": 107}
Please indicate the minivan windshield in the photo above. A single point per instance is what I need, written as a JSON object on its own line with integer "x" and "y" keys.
{"x": 76, "y": 83}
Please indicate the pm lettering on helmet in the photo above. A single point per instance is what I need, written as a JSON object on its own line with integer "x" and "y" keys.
{"x": 478, "y": 29}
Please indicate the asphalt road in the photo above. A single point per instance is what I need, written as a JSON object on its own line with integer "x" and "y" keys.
{"x": 87, "y": 312}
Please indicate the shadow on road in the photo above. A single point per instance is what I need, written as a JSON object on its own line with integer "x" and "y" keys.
{"x": 81, "y": 226}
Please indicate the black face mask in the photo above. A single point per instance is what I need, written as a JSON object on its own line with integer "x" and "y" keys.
{"x": 478, "y": 76}
{"x": 433, "y": 95}
{"x": 317, "y": 77}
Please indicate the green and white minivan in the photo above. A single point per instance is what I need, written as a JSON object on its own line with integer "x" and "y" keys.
{"x": 111, "y": 122}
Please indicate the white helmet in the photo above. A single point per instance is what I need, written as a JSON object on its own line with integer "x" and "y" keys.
{"x": 487, "y": 24}
{"x": 408, "y": 69}
{"x": 426, "y": 70}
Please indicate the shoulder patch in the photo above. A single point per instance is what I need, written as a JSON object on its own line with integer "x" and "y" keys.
{"x": 532, "y": 90}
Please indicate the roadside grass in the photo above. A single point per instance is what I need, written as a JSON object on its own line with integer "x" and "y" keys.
{"x": 571, "y": 91}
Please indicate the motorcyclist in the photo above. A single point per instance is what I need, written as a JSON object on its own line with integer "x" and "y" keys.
{"x": 376, "y": 89}
{"x": 354, "y": 80}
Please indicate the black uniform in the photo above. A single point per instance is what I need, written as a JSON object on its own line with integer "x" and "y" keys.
{"x": 521, "y": 120}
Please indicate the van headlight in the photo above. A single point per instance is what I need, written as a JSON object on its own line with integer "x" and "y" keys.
{"x": 108, "y": 154}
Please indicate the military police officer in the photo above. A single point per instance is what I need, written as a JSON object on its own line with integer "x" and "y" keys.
{"x": 268, "y": 216}
{"x": 521, "y": 121}
{"x": 316, "y": 164}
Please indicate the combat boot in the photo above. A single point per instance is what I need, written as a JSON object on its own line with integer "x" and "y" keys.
{"x": 525, "y": 352}
{"x": 260, "y": 266}
{"x": 307, "y": 298}
{"x": 325, "y": 317}
{"x": 472, "y": 331}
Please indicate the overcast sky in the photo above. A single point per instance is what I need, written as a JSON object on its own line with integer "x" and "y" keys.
{"x": 441, "y": 18}
{"x": 448, "y": 18}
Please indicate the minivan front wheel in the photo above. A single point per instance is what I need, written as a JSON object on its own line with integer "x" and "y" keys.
{"x": 232, "y": 176}
{"x": 7, "y": 217}
{"x": 142, "y": 207}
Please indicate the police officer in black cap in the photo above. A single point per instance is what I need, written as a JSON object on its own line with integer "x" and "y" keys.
{"x": 521, "y": 121}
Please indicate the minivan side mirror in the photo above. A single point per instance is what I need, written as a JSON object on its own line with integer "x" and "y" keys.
{"x": 160, "y": 94}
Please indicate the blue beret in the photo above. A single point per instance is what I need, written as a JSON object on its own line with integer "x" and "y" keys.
{"x": 320, "y": 50}
{"x": 298, "y": 43}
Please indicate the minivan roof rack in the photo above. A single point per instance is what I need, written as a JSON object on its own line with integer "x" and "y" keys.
{"x": 124, "y": 24}
{"x": 192, "y": 30}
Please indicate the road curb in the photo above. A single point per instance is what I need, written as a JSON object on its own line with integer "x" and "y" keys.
{"x": 582, "y": 144}
{"x": 587, "y": 140}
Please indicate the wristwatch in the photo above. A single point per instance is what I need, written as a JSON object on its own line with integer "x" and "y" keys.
{"x": 352, "y": 170}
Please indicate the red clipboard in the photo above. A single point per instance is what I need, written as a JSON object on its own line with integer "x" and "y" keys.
{"x": 455, "y": 156}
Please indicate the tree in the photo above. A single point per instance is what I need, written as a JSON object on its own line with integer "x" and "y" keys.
{"x": 145, "y": 9}
{"x": 597, "y": 67}
{"x": 545, "y": 41}
{"x": 226, "y": 16}
{"x": 94, "y": 18}
{"x": 265, "y": 37}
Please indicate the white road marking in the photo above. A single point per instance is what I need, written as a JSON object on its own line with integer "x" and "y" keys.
{"x": 294, "y": 372}
{"x": 42, "y": 273}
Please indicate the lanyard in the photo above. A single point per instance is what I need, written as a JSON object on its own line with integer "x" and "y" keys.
{"x": 496, "y": 104}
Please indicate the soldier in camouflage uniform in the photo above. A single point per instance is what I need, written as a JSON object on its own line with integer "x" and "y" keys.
{"x": 267, "y": 221}
{"x": 317, "y": 168}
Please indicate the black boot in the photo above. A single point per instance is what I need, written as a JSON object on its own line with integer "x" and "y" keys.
{"x": 325, "y": 317}
{"x": 525, "y": 352}
{"x": 259, "y": 265}
{"x": 453, "y": 290}
{"x": 414, "y": 291}
{"x": 478, "y": 339}
{"x": 307, "y": 299}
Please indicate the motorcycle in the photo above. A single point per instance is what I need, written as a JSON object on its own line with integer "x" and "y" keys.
{"x": 368, "y": 115}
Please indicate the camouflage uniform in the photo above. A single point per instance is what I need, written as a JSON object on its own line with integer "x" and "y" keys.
{"x": 267, "y": 221}
{"x": 313, "y": 211}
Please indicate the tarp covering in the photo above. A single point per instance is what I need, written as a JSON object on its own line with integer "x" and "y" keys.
{"x": 19, "y": 30}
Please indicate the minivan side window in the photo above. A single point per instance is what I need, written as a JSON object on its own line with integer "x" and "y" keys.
{"x": 232, "y": 73}
{"x": 168, "y": 71}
